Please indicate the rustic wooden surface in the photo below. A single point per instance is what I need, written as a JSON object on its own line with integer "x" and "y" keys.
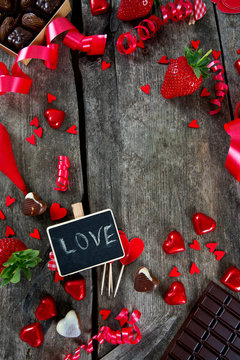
{"x": 135, "y": 155}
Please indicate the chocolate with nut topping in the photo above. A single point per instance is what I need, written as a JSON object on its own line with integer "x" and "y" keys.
{"x": 20, "y": 37}
{"x": 48, "y": 6}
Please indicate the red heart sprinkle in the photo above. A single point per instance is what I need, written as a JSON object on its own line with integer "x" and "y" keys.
{"x": 174, "y": 272}
{"x": 2, "y": 216}
{"x": 35, "y": 122}
{"x": 31, "y": 139}
{"x": 58, "y": 277}
{"x": 146, "y": 89}
{"x": 163, "y": 60}
{"x": 105, "y": 65}
{"x": 105, "y": 313}
{"x": 76, "y": 288}
{"x": 176, "y": 294}
{"x": 211, "y": 246}
{"x": 38, "y": 131}
{"x": 46, "y": 309}
{"x": 9, "y": 231}
{"x": 72, "y": 130}
{"x": 9, "y": 201}
{"x": 174, "y": 243}
{"x": 140, "y": 44}
{"x": 54, "y": 118}
{"x": 35, "y": 234}
{"x": 216, "y": 54}
{"x": 238, "y": 51}
{"x": 57, "y": 212}
{"x": 195, "y": 44}
{"x": 231, "y": 278}
{"x": 50, "y": 98}
{"x": 204, "y": 93}
{"x": 202, "y": 223}
{"x": 194, "y": 269}
{"x": 193, "y": 124}
{"x": 133, "y": 249}
{"x": 219, "y": 254}
{"x": 32, "y": 334}
{"x": 195, "y": 245}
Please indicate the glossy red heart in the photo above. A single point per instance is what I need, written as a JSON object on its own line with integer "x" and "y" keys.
{"x": 195, "y": 44}
{"x": 54, "y": 117}
{"x": 219, "y": 254}
{"x": 132, "y": 249}
{"x": 57, "y": 212}
{"x": 51, "y": 98}
{"x": 174, "y": 243}
{"x": 9, "y": 231}
{"x": 195, "y": 245}
{"x": 31, "y": 139}
{"x": 163, "y": 60}
{"x": 105, "y": 313}
{"x": 76, "y": 288}
{"x": 99, "y": 7}
{"x": 211, "y": 246}
{"x": 193, "y": 124}
{"x": 202, "y": 223}
{"x": 35, "y": 122}
{"x": 231, "y": 278}
{"x": 174, "y": 272}
{"x": 38, "y": 132}
{"x": 176, "y": 294}
{"x": 146, "y": 89}
{"x": 35, "y": 234}
{"x": 204, "y": 93}
{"x": 32, "y": 334}
{"x": 9, "y": 201}
{"x": 46, "y": 309}
{"x": 2, "y": 216}
{"x": 194, "y": 269}
{"x": 105, "y": 65}
{"x": 72, "y": 130}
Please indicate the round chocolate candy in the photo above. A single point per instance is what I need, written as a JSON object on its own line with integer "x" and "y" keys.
{"x": 33, "y": 22}
{"x": 33, "y": 205}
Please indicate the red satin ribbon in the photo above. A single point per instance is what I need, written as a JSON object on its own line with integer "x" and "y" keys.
{"x": 62, "y": 179}
{"x": 220, "y": 87}
{"x": 177, "y": 11}
{"x": 19, "y": 82}
{"x": 233, "y": 157}
{"x": 130, "y": 335}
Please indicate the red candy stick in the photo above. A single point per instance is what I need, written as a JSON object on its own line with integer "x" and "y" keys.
{"x": 62, "y": 180}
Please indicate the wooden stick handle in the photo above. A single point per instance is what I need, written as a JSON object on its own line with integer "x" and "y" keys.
{"x": 103, "y": 277}
{"x": 77, "y": 210}
{"x": 119, "y": 279}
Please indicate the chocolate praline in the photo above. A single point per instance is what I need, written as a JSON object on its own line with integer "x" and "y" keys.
{"x": 6, "y": 27}
{"x": 48, "y": 6}
{"x": 20, "y": 37}
{"x": 33, "y": 22}
{"x": 33, "y": 205}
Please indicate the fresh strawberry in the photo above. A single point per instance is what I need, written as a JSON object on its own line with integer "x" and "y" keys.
{"x": 14, "y": 257}
{"x": 184, "y": 75}
{"x": 134, "y": 9}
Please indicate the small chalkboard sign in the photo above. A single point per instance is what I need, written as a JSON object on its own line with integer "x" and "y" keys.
{"x": 86, "y": 242}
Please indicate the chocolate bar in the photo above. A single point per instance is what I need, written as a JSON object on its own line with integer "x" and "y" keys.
{"x": 211, "y": 331}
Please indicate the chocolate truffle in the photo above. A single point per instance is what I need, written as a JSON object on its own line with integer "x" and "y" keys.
{"x": 48, "y": 6}
{"x": 20, "y": 37}
{"x": 144, "y": 281}
{"x": 6, "y": 27}
{"x": 26, "y": 3}
{"x": 33, "y": 205}
{"x": 5, "y": 5}
{"x": 33, "y": 22}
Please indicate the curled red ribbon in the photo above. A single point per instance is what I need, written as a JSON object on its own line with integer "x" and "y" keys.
{"x": 177, "y": 11}
{"x": 62, "y": 179}
{"x": 220, "y": 87}
{"x": 126, "y": 336}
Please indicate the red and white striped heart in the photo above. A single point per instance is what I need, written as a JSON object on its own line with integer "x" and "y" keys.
{"x": 199, "y": 8}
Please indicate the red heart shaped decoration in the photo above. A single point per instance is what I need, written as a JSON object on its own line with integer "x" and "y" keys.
{"x": 231, "y": 278}
{"x": 57, "y": 277}
{"x": 9, "y": 201}
{"x": 195, "y": 44}
{"x": 51, "y": 98}
{"x": 31, "y": 139}
{"x": 195, "y": 245}
{"x": 105, "y": 313}
{"x": 35, "y": 122}
{"x": 9, "y": 231}
{"x": 38, "y": 132}
{"x": 2, "y": 216}
{"x": 132, "y": 249}
{"x": 216, "y": 54}
{"x": 193, "y": 124}
{"x": 140, "y": 44}
{"x": 204, "y": 93}
{"x": 54, "y": 118}
{"x": 238, "y": 51}
{"x": 35, "y": 234}
{"x": 176, "y": 294}
{"x": 211, "y": 246}
{"x": 99, "y": 7}
{"x": 76, "y": 288}
{"x": 174, "y": 272}
{"x": 105, "y": 65}
{"x": 46, "y": 309}
{"x": 146, "y": 89}
{"x": 194, "y": 269}
{"x": 72, "y": 130}
{"x": 57, "y": 212}
{"x": 163, "y": 60}
{"x": 219, "y": 254}
{"x": 32, "y": 334}
{"x": 202, "y": 223}
{"x": 174, "y": 243}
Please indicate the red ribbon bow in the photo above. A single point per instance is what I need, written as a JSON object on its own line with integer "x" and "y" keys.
{"x": 220, "y": 87}
{"x": 62, "y": 180}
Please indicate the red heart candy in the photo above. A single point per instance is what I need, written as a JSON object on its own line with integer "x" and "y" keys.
{"x": 38, "y": 131}
{"x": 176, "y": 294}
{"x": 146, "y": 89}
{"x": 72, "y": 130}
{"x": 2, "y": 216}
{"x": 54, "y": 118}
{"x": 231, "y": 278}
{"x": 32, "y": 334}
{"x": 211, "y": 246}
{"x": 195, "y": 44}
{"x": 163, "y": 60}
{"x": 193, "y": 124}
{"x": 31, "y": 139}
{"x": 216, "y": 54}
{"x": 50, "y": 98}
{"x": 174, "y": 272}
{"x": 238, "y": 51}
{"x": 204, "y": 93}
{"x": 194, "y": 269}
{"x": 35, "y": 122}
{"x": 35, "y": 234}
{"x": 99, "y": 7}
{"x": 132, "y": 249}
{"x": 105, "y": 65}
{"x": 195, "y": 245}
{"x": 9, "y": 201}
{"x": 174, "y": 243}
{"x": 140, "y": 44}
{"x": 76, "y": 288}
{"x": 203, "y": 223}
{"x": 219, "y": 254}
{"x": 57, "y": 277}
{"x": 46, "y": 309}
{"x": 57, "y": 212}
{"x": 105, "y": 313}
{"x": 9, "y": 231}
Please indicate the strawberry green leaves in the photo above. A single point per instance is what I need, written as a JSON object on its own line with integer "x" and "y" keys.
{"x": 198, "y": 63}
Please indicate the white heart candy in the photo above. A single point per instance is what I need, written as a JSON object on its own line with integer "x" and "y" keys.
{"x": 70, "y": 325}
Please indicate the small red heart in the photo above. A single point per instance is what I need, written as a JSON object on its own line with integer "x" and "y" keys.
{"x": 32, "y": 334}
{"x": 31, "y": 139}
{"x": 211, "y": 246}
{"x": 238, "y": 51}
{"x": 2, "y": 216}
{"x": 76, "y": 288}
{"x": 57, "y": 212}
{"x": 133, "y": 249}
{"x": 204, "y": 93}
{"x": 57, "y": 277}
{"x": 195, "y": 44}
{"x": 140, "y": 44}
{"x": 35, "y": 122}
{"x": 176, "y": 294}
{"x": 194, "y": 269}
{"x": 72, "y": 130}
{"x": 146, "y": 89}
{"x": 9, "y": 231}
{"x": 216, "y": 54}
{"x": 174, "y": 243}
{"x": 195, "y": 245}
{"x": 105, "y": 65}
{"x": 193, "y": 124}
{"x": 50, "y": 98}
{"x": 202, "y": 223}
{"x": 174, "y": 272}
{"x": 9, "y": 201}
{"x": 35, "y": 234}
{"x": 38, "y": 131}
{"x": 54, "y": 118}
{"x": 231, "y": 278}
{"x": 46, "y": 309}
{"x": 219, "y": 254}
{"x": 105, "y": 313}
{"x": 163, "y": 60}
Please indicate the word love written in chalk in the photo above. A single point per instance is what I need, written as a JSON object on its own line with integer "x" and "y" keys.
{"x": 83, "y": 243}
